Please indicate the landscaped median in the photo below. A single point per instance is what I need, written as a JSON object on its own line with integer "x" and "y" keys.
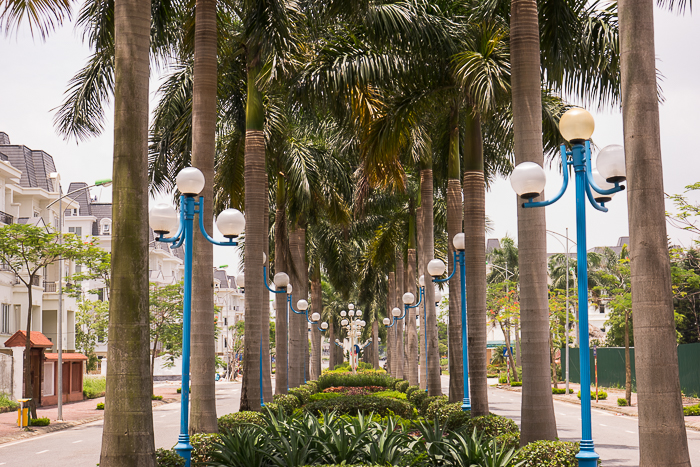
{"x": 366, "y": 419}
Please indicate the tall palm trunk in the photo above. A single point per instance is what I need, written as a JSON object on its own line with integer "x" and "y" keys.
{"x": 628, "y": 363}
{"x": 391, "y": 332}
{"x": 203, "y": 364}
{"x": 316, "y": 307}
{"x": 297, "y": 323}
{"x": 454, "y": 226}
{"x": 281, "y": 312}
{"x": 399, "y": 324}
{"x": 265, "y": 321}
{"x": 375, "y": 344}
{"x": 331, "y": 346}
{"x": 127, "y": 436}
{"x": 420, "y": 233}
{"x": 475, "y": 264}
{"x": 662, "y": 435}
{"x": 433, "y": 355}
{"x": 256, "y": 236}
{"x": 537, "y": 410}
{"x": 411, "y": 333}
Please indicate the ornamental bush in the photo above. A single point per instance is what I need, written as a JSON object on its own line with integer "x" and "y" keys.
{"x": 365, "y": 378}
{"x": 417, "y": 397}
{"x": 548, "y": 454}
{"x": 423, "y": 409}
{"x": 352, "y": 405}
{"x": 392, "y": 394}
{"x": 168, "y": 458}
{"x": 434, "y": 408}
{"x": 365, "y": 366}
{"x": 508, "y": 441}
{"x": 100, "y": 406}
{"x": 561, "y": 391}
{"x": 41, "y": 421}
{"x": 230, "y": 421}
{"x": 202, "y": 446}
{"x": 602, "y": 395}
{"x": 302, "y": 394}
{"x": 324, "y": 396}
{"x": 621, "y": 402}
{"x": 287, "y": 402}
{"x": 456, "y": 419}
{"x": 515, "y": 384}
{"x": 312, "y": 386}
{"x": 691, "y": 410}
{"x": 492, "y": 425}
{"x": 402, "y": 385}
{"x": 410, "y": 389}
{"x": 355, "y": 391}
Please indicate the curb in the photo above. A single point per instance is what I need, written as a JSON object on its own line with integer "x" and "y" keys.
{"x": 43, "y": 430}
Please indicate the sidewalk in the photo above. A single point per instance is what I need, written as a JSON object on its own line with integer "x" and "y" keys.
{"x": 74, "y": 413}
{"x": 610, "y": 404}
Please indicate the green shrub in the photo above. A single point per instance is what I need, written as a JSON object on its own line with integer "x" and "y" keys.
{"x": 168, "y": 458}
{"x": 94, "y": 386}
{"x": 273, "y": 406}
{"x": 100, "y": 406}
{"x": 324, "y": 396}
{"x": 342, "y": 366}
{"x": 365, "y": 366}
{"x": 302, "y": 394}
{"x": 352, "y": 405}
{"x": 492, "y": 375}
{"x": 410, "y": 389}
{"x": 417, "y": 397}
{"x": 402, "y": 386}
{"x": 365, "y": 378}
{"x": 232, "y": 420}
{"x": 456, "y": 419}
{"x": 7, "y": 402}
{"x": 312, "y": 386}
{"x": 492, "y": 425}
{"x": 179, "y": 390}
{"x": 561, "y": 391}
{"x": 621, "y": 402}
{"x": 602, "y": 395}
{"x": 508, "y": 441}
{"x": 515, "y": 384}
{"x": 434, "y": 405}
{"x": 156, "y": 398}
{"x": 548, "y": 454}
{"x": 429, "y": 400}
{"x": 691, "y": 410}
{"x": 287, "y": 402}
{"x": 42, "y": 421}
{"x": 202, "y": 446}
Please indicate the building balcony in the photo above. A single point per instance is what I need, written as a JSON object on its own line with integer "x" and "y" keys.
{"x": 6, "y": 218}
{"x": 50, "y": 286}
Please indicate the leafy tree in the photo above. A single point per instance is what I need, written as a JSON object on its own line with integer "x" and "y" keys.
{"x": 91, "y": 321}
{"x": 559, "y": 335}
{"x": 503, "y": 306}
{"x": 41, "y": 15}
{"x": 685, "y": 277}
{"x": 97, "y": 266}
{"x": 26, "y": 250}
{"x": 165, "y": 306}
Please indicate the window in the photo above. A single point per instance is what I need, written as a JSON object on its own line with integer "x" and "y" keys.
{"x": 105, "y": 229}
{"x": 101, "y": 295}
{"x": 225, "y": 342}
{"x": 78, "y": 231}
{"x": 225, "y": 321}
{"x": 36, "y": 214}
{"x": 74, "y": 212}
{"x": 5, "y": 319}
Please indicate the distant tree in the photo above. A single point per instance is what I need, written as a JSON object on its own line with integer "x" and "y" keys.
{"x": 503, "y": 308}
{"x": 26, "y": 250}
{"x": 91, "y": 322}
{"x": 165, "y": 307}
{"x": 97, "y": 266}
{"x": 559, "y": 335}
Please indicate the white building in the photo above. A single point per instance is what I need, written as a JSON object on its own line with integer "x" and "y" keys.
{"x": 230, "y": 301}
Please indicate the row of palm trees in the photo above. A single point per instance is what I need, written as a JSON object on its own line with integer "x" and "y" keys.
{"x": 407, "y": 92}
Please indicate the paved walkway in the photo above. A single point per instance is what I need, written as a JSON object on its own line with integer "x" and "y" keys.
{"x": 74, "y": 413}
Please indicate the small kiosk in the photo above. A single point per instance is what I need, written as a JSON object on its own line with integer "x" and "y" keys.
{"x": 39, "y": 343}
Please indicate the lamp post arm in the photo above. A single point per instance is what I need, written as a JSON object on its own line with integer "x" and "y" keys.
{"x": 200, "y": 205}
{"x": 267, "y": 286}
{"x": 178, "y": 238}
{"x": 305, "y": 312}
{"x": 420, "y": 298}
{"x": 368, "y": 343}
{"x": 594, "y": 203}
{"x": 562, "y": 190}
{"x": 589, "y": 176}
{"x": 454, "y": 269}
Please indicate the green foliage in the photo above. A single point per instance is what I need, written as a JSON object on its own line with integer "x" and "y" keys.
{"x": 100, "y": 406}
{"x": 287, "y": 402}
{"x": 455, "y": 417}
{"x": 324, "y": 396}
{"x": 561, "y": 391}
{"x": 515, "y": 384}
{"x": 621, "y": 402}
{"x": 94, "y": 386}
{"x": 509, "y": 440}
{"x": 302, "y": 394}
{"x": 202, "y": 447}
{"x": 233, "y": 420}
{"x": 602, "y": 395}
{"x": 410, "y": 390}
{"x": 492, "y": 425}
{"x": 179, "y": 390}
{"x": 367, "y": 378}
{"x": 312, "y": 386}
{"x": 434, "y": 406}
{"x": 168, "y": 458}
{"x": 41, "y": 421}
{"x": 156, "y": 398}
{"x": 90, "y": 328}
{"x": 392, "y": 394}
{"x": 7, "y": 402}
{"x": 365, "y": 366}
{"x": 691, "y": 410}
{"x": 353, "y": 405}
{"x": 417, "y": 398}
{"x": 342, "y": 366}
{"x": 548, "y": 454}
{"x": 429, "y": 400}
{"x": 402, "y": 385}
{"x": 165, "y": 307}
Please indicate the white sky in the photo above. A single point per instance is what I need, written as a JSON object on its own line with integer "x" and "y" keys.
{"x": 35, "y": 74}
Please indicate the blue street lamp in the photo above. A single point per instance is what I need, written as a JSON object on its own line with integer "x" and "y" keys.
{"x": 164, "y": 221}
{"x": 354, "y": 326}
{"x": 421, "y": 288}
{"x": 396, "y": 315}
{"x": 303, "y": 306}
{"x": 282, "y": 284}
{"x": 528, "y": 180}
{"x": 436, "y": 268}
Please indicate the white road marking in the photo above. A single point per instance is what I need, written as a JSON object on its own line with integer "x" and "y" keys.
{"x": 563, "y": 414}
{"x": 163, "y": 416}
{"x": 602, "y": 424}
{"x": 41, "y": 452}
{"x": 629, "y": 431}
{"x": 79, "y": 441}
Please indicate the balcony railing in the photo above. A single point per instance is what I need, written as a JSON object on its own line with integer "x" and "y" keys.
{"x": 49, "y": 286}
{"x": 5, "y": 267}
{"x": 6, "y": 218}
{"x": 36, "y": 281}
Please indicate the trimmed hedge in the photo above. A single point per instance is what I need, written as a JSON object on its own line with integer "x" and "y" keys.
{"x": 548, "y": 454}
{"x": 434, "y": 407}
{"x": 168, "y": 458}
{"x": 202, "y": 445}
{"x": 602, "y": 395}
{"x": 691, "y": 410}
{"x": 492, "y": 425}
{"x": 621, "y": 402}
{"x": 352, "y": 405}
{"x": 402, "y": 386}
{"x": 411, "y": 389}
{"x": 100, "y": 406}
{"x": 324, "y": 396}
{"x": 233, "y": 420}
{"x": 417, "y": 398}
{"x": 561, "y": 391}
{"x": 515, "y": 384}
{"x": 393, "y": 394}
{"x": 508, "y": 441}
{"x": 365, "y": 378}
{"x": 41, "y": 421}
{"x": 287, "y": 402}
{"x": 423, "y": 408}
{"x": 301, "y": 393}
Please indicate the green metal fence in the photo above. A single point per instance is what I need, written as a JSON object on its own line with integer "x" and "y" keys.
{"x": 611, "y": 367}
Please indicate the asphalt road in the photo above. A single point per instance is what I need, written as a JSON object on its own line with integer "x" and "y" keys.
{"x": 615, "y": 436}
{"x": 80, "y": 446}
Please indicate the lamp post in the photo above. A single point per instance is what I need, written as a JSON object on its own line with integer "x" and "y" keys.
{"x": 528, "y": 180}
{"x": 421, "y": 286}
{"x": 508, "y": 352}
{"x": 436, "y": 268}
{"x": 354, "y": 326}
{"x": 164, "y": 221}
{"x": 59, "y": 318}
{"x": 281, "y": 281}
{"x": 303, "y": 306}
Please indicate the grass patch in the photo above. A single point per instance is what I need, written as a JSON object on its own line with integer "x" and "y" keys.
{"x": 100, "y": 406}
{"x": 7, "y": 402}
{"x": 44, "y": 421}
{"x": 692, "y": 410}
{"x": 392, "y": 394}
{"x": 94, "y": 386}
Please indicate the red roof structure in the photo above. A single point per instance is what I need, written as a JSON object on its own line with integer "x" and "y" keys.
{"x": 37, "y": 340}
{"x": 67, "y": 357}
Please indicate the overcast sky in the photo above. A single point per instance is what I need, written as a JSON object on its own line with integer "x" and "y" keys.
{"x": 34, "y": 76}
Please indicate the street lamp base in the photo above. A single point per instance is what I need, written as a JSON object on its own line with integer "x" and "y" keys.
{"x": 184, "y": 448}
{"x": 587, "y": 457}
{"x": 466, "y": 405}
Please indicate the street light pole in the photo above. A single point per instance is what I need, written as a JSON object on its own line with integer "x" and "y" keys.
{"x": 528, "y": 180}
{"x": 164, "y": 221}
{"x": 59, "y": 312}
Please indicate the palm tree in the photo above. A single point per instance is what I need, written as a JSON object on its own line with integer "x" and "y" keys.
{"x": 41, "y": 15}
{"x": 128, "y": 374}
{"x": 662, "y": 434}
{"x": 204, "y": 112}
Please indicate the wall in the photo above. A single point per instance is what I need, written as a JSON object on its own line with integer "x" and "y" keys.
{"x": 6, "y": 371}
